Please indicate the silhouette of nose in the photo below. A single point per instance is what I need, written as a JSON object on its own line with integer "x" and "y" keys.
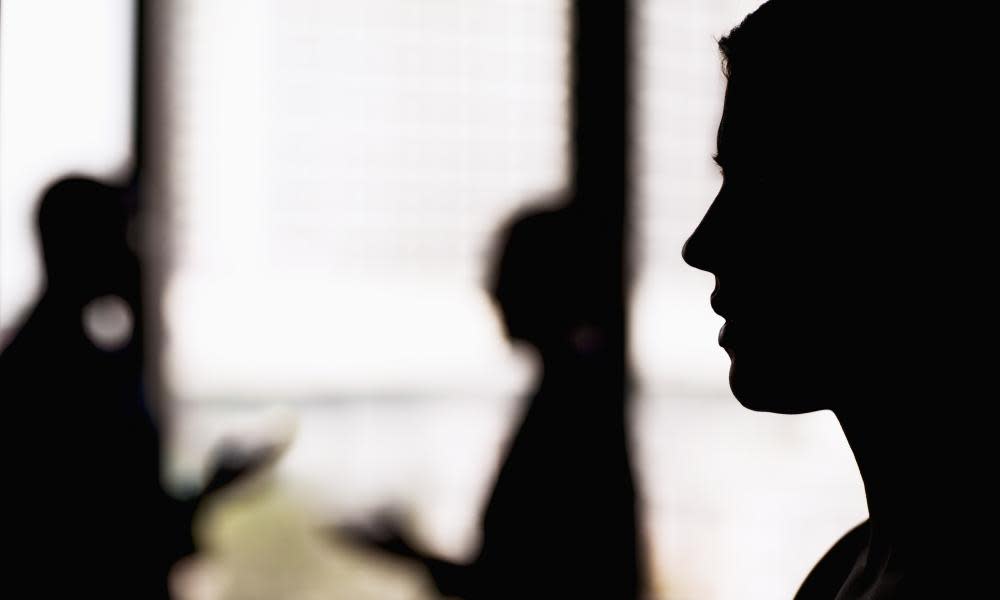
{"x": 687, "y": 254}
{"x": 701, "y": 250}
{"x": 694, "y": 252}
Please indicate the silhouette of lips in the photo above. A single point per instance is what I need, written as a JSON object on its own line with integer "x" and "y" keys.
{"x": 723, "y": 338}
{"x": 716, "y": 302}
{"x": 720, "y": 309}
{"x": 717, "y": 310}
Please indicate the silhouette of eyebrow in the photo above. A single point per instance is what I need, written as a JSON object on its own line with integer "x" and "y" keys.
{"x": 718, "y": 161}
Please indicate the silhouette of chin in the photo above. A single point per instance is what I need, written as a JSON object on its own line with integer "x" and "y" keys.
{"x": 762, "y": 388}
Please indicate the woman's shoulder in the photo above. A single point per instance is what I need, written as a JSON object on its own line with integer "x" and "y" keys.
{"x": 830, "y": 573}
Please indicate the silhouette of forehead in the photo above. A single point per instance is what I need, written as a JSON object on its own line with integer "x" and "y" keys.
{"x": 724, "y": 138}
{"x": 754, "y": 133}
{"x": 789, "y": 65}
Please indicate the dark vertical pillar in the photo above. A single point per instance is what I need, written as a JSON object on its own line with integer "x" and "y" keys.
{"x": 137, "y": 191}
{"x": 150, "y": 216}
{"x": 601, "y": 120}
{"x": 138, "y": 96}
{"x": 601, "y": 156}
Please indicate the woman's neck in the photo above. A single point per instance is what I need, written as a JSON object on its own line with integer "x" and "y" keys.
{"x": 885, "y": 453}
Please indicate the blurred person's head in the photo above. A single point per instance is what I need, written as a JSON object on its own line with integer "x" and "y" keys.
{"x": 542, "y": 284}
{"x": 809, "y": 249}
{"x": 83, "y": 228}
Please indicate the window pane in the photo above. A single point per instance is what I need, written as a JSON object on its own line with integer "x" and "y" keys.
{"x": 336, "y": 172}
{"x": 65, "y": 107}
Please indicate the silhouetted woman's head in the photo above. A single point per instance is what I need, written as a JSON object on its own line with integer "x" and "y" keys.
{"x": 849, "y": 243}
{"x": 799, "y": 236}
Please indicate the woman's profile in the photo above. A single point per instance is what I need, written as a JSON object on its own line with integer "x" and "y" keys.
{"x": 837, "y": 271}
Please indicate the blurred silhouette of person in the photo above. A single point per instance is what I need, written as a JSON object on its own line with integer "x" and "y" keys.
{"x": 84, "y": 449}
{"x": 561, "y": 520}
{"x": 88, "y": 514}
{"x": 840, "y": 288}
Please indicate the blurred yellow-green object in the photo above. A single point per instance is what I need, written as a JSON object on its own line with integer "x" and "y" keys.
{"x": 259, "y": 542}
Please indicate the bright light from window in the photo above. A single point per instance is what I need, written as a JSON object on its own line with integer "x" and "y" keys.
{"x": 65, "y": 107}
{"x": 338, "y": 170}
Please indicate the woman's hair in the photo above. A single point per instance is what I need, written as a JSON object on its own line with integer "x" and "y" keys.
{"x": 814, "y": 92}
